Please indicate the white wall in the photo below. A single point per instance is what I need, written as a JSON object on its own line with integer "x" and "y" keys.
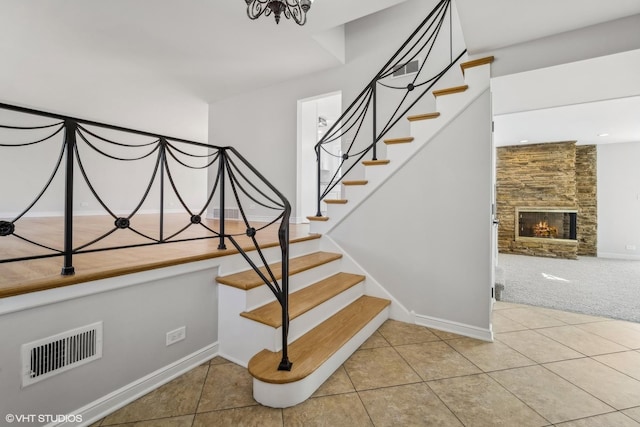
{"x": 425, "y": 234}
{"x": 135, "y": 318}
{"x": 595, "y": 41}
{"x": 121, "y": 184}
{"x": 619, "y": 200}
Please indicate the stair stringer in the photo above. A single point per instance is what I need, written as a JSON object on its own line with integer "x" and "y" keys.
{"x": 372, "y": 287}
{"x": 449, "y": 107}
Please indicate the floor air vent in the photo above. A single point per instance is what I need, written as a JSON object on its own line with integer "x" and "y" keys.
{"x": 52, "y": 355}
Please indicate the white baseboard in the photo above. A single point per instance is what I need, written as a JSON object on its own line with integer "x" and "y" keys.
{"x": 454, "y": 327}
{"x": 613, "y": 255}
{"x": 108, "y": 404}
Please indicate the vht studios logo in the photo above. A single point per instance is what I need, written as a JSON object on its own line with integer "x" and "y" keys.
{"x": 42, "y": 418}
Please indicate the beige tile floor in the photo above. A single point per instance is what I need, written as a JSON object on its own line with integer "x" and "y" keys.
{"x": 545, "y": 368}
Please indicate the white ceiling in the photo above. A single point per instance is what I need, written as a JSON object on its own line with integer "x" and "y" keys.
{"x": 207, "y": 48}
{"x": 570, "y": 102}
{"x": 202, "y": 51}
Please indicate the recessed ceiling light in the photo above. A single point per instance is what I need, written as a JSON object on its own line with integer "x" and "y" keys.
{"x": 603, "y": 134}
{"x": 524, "y": 141}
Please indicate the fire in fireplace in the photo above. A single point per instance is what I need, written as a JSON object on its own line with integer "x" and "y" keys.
{"x": 533, "y": 223}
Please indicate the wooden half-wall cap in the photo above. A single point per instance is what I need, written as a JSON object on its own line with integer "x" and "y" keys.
{"x": 426, "y": 116}
{"x": 318, "y": 218}
{"x": 476, "y": 63}
{"x": 335, "y": 201}
{"x": 450, "y": 90}
{"x": 379, "y": 162}
{"x": 402, "y": 140}
{"x": 356, "y": 182}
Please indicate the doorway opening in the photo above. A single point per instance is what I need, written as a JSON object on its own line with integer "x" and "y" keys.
{"x": 316, "y": 115}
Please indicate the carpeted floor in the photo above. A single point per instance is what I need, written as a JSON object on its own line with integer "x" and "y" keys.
{"x": 596, "y": 286}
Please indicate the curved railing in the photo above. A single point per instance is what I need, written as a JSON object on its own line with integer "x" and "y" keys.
{"x": 364, "y": 110}
{"x": 88, "y": 157}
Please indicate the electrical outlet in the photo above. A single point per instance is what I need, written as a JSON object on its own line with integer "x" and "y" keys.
{"x": 630, "y": 247}
{"x": 176, "y": 335}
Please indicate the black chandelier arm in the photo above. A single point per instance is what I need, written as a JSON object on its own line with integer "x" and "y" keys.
{"x": 291, "y": 9}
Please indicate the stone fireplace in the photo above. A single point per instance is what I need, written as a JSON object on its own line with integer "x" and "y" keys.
{"x": 546, "y": 199}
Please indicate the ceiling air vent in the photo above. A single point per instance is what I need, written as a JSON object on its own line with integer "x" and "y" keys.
{"x": 407, "y": 69}
{"x": 53, "y": 355}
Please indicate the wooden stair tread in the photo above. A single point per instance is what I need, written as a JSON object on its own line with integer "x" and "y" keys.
{"x": 356, "y": 182}
{"x": 305, "y": 299}
{"x": 249, "y": 279}
{"x": 312, "y": 349}
{"x": 378, "y": 162}
{"x": 450, "y": 90}
{"x": 476, "y": 63}
{"x": 318, "y": 218}
{"x": 402, "y": 140}
{"x": 425, "y": 116}
{"x": 335, "y": 201}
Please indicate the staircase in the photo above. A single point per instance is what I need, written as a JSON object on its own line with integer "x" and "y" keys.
{"x": 450, "y": 102}
{"x": 332, "y": 307}
{"x": 330, "y": 314}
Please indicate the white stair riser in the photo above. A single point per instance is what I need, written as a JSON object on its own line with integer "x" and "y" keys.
{"x": 353, "y": 193}
{"x": 446, "y": 104}
{"x": 400, "y": 152}
{"x": 376, "y": 174}
{"x": 478, "y": 78}
{"x": 290, "y": 394}
{"x": 242, "y": 338}
{"x": 319, "y": 227}
{"x": 312, "y": 318}
{"x": 423, "y": 130}
{"x": 262, "y": 295}
{"x": 237, "y": 263}
{"x": 238, "y": 338}
{"x": 337, "y": 210}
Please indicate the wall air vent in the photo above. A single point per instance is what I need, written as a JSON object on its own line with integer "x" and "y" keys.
{"x": 229, "y": 213}
{"x": 53, "y": 355}
{"x": 406, "y": 69}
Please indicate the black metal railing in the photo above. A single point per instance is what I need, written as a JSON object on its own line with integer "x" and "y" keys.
{"x": 365, "y": 109}
{"x": 87, "y": 157}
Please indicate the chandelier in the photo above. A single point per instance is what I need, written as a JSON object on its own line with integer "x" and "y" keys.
{"x": 291, "y": 9}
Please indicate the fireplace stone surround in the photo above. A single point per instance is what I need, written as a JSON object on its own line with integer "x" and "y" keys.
{"x": 553, "y": 177}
